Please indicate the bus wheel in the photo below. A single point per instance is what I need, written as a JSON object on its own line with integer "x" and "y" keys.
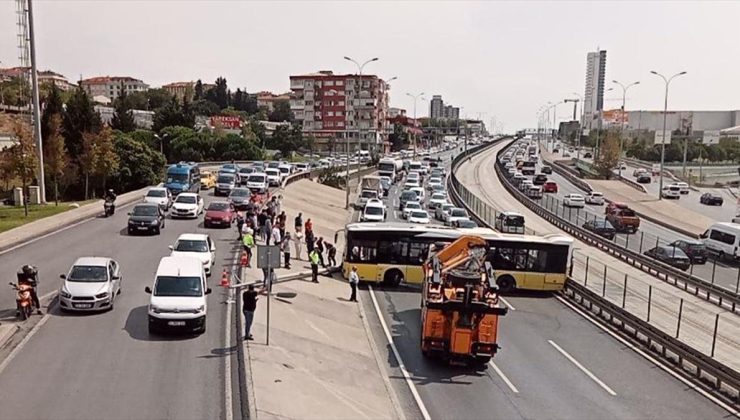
{"x": 506, "y": 284}
{"x": 392, "y": 277}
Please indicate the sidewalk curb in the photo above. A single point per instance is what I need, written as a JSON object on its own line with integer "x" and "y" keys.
{"x": 8, "y": 334}
{"x": 251, "y": 398}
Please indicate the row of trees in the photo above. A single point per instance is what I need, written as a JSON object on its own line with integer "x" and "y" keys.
{"x": 728, "y": 150}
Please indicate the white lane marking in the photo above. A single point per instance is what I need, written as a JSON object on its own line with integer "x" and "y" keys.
{"x": 583, "y": 368}
{"x": 23, "y": 342}
{"x": 650, "y": 358}
{"x": 507, "y": 303}
{"x": 73, "y": 225}
{"x": 504, "y": 377}
{"x": 397, "y": 355}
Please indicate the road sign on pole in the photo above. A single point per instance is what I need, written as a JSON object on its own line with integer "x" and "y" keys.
{"x": 268, "y": 257}
{"x": 661, "y": 138}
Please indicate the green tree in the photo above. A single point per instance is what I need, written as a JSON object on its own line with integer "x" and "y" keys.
{"x": 6, "y": 168}
{"x": 138, "y": 100}
{"x": 56, "y": 159}
{"x": 198, "y": 90}
{"x": 157, "y": 98}
{"x": 106, "y": 163}
{"x": 53, "y": 106}
{"x": 139, "y": 164}
{"x": 23, "y": 159}
{"x": 398, "y": 138}
{"x": 281, "y": 112}
{"x": 79, "y": 118}
{"x": 219, "y": 94}
{"x": 204, "y": 107}
{"x": 123, "y": 116}
{"x": 608, "y": 156}
{"x": 172, "y": 114}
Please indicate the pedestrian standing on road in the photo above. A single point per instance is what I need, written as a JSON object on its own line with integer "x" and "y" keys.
{"x": 309, "y": 225}
{"x": 354, "y": 280}
{"x": 249, "y": 306}
{"x": 278, "y": 204}
{"x": 285, "y": 247}
{"x": 298, "y": 243}
{"x": 320, "y": 248}
{"x": 313, "y": 257}
{"x": 239, "y": 224}
{"x": 282, "y": 219}
{"x": 331, "y": 252}
{"x": 298, "y": 222}
{"x": 261, "y": 221}
{"x": 268, "y": 230}
{"x": 248, "y": 244}
{"x": 310, "y": 241}
{"x": 276, "y": 237}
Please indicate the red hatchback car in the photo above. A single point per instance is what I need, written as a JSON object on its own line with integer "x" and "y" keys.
{"x": 219, "y": 213}
{"x": 550, "y": 187}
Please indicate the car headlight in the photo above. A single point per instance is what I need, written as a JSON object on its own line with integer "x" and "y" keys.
{"x": 101, "y": 295}
{"x": 200, "y": 308}
{"x": 155, "y": 222}
{"x": 154, "y": 309}
{"x": 65, "y": 294}
{"x": 131, "y": 222}
{"x": 206, "y": 263}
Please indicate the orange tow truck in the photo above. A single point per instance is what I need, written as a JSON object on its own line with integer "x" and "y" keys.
{"x": 460, "y": 304}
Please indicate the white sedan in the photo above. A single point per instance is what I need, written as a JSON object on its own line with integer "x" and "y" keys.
{"x": 90, "y": 285}
{"x": 410, "y": 206}
{"x": 437, "y": 199}
{"x": 159, "y": 195}
{"x": 574, "y": 200}
{"x": 198, "y": 246}
{"x": 419, "y": 216}
{"x": 419, "y": 192}
{"x": 187, "y": 205}
{"x": 595, "y": 197}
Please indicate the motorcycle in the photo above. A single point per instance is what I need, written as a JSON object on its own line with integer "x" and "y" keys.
{"x": 109, "y": 208}
{"x": 23, "y": 300}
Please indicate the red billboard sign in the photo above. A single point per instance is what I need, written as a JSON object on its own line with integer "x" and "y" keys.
{"x": 226, "y": 121}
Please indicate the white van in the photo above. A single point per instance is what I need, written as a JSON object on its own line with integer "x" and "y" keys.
{"x": 178, "y": 299}
{"x": 722, "y": 238}
{"x": 285, "y": 170}
{"x": 274, "y": 177}
{"x": 257, "y": 182}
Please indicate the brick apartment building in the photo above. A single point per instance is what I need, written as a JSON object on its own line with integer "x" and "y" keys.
{"x": 334, "y": 106}
{"x": 112, "y": 86}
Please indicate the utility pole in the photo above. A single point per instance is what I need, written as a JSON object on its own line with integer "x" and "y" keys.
{"x": 621, "y": 130}
{"x": 359, "y": 130}
{"x": 36, "y": 105}
{"x": 415, "y": 137}
{"x": 663, "y": 138}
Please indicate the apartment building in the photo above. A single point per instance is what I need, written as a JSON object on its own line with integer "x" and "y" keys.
{"x": 44, "y": 76}
{"x": 267, "y": 99}
{"x": 112, "y": 86}
{"x": 593, "y": 99}
{"x": 341, "y": 106}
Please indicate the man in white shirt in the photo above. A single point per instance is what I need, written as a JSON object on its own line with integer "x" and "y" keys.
{"x": 276, "y": 235}
{"x": 354, "y": 279}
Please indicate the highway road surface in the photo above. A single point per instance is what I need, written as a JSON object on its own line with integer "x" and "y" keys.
{"x": 106, "y": 365}
{"x": 554, "y": 363}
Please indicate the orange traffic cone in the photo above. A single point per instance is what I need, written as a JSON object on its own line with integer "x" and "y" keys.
{"x": 244, "y": 260}
{"x": 225, "y": 279}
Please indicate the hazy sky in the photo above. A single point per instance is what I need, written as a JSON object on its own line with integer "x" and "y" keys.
{"x": 502, "y": 58}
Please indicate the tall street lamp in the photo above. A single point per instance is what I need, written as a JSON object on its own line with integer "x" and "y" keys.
{"x": 417, "y": 96}
{"x": 621, "y": 130}
{"x": 359, "y": 132}
{"x": 663, "y": 138}
{"x": 388, "y": 129}
{"x": 580, "y": 126}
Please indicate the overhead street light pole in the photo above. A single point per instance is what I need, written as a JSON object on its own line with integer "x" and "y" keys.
{"x": 580, "y": 127}
{"x": 417, "y": 96}
{"x": 359, "y": 132}
{"x": 663, "y": 137}
{"x": 621, "y": 129}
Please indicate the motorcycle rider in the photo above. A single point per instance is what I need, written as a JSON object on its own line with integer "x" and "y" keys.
{"x": 110, "y": 197}
{"x": 29, "y": 275}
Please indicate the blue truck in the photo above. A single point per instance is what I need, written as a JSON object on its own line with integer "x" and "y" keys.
{"x": 182, "y": 177}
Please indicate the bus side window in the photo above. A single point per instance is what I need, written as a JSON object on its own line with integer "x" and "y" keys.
{"x": 521, "y": 259}
{"x": 503, "y": 259}
{"x": 392, "y": 252}
{"x": 363, "y": 251}
{"x": 537, "y": 260}
{"x": 418, "y": 252}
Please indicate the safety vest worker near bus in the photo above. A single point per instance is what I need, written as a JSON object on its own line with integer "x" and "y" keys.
{"x": 313, "y": 257}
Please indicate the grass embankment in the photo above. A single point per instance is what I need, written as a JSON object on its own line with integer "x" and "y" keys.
{"x": 12, "y": 217}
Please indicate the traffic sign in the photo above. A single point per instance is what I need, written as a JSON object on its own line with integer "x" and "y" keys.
{"x": 268, "y": 256}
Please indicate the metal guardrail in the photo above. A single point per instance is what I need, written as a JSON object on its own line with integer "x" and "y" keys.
{"x": 686, "y": 359}
{"x": 689, "y": 283}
